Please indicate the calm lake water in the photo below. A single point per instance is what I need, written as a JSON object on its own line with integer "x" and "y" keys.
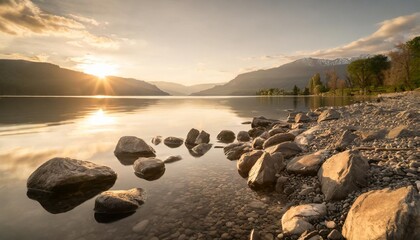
{"x": 36, "y": 129}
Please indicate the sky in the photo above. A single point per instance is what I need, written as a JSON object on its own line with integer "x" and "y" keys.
{"x": 199, "y": 41}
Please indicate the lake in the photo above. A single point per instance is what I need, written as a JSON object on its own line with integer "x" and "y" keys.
{"x": 194, "y": 198}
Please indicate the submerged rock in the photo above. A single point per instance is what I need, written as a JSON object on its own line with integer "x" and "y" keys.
{"x": 342, "y": 174}
{"x": 297, "y": 219}
{"x": 226, "y": 136}
{"x": 133, "y": 146}
{"x": 119, "y": 201}
{"x": 173, "y": 142}
{"x": 172, "y": 159}
{"x": 384, "y": 214}
{"x": 149, "y": 168}
{"x": 63, "y": 174}
{"x": 201, "y": 149}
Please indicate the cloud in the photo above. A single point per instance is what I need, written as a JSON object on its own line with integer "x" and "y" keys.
{"x": 390, "y": 33}
{"x": 23, "y": 18}
{"x": 84, "y": 19}
{"x": 35, "y": 58}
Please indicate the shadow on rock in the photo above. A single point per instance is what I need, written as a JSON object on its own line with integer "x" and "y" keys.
{"x": 127, "y": 159}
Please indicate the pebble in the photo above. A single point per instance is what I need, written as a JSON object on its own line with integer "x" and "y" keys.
{"x": 141, "y": 226}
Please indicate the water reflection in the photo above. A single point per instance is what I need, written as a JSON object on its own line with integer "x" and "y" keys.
{"x": 64, "y": 201}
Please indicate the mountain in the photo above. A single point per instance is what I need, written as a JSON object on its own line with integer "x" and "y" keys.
{"x": 176, "y": 89}
{"x": 286, "y": 76}
{"x": 19, "y": 77}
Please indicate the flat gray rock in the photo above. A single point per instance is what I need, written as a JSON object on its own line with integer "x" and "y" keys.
{"x": 133, "y": 146}
{"x": 59, "y": 174}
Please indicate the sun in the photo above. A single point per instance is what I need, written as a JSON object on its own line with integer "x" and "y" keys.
{"x": 100, "y": 70}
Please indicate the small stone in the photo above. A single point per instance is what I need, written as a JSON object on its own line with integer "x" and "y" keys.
{"x": 141, "y": 226}
{"x": 330, "y": 224}
{"x": 334, "y": 235}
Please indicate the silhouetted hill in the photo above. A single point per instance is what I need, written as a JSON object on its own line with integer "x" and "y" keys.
{"x": 176, "y": 89}
{"x": 285, "y": 77}
{"x": 19, "y": 77}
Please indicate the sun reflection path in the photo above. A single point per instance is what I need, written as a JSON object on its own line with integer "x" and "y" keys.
{"x": 99, "y": 118}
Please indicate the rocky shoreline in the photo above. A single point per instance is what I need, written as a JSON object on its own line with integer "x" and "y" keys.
{"x": 309, "y": 175}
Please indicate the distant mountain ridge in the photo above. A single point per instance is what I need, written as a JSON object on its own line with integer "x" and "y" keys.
{"x": 20, "y": 77}
{"x": 176, "y": 89}
{"x": 284, "y": 77}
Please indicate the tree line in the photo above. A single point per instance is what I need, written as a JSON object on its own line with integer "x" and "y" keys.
{"x": 398, "y": 70}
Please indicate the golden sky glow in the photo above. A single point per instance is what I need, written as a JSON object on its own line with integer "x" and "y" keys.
{"x": 198, "y": 41}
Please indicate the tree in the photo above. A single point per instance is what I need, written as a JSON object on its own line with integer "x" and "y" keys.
{"x": 360, "y": 73}
{"x": 296, "y": 90}
{"x": 305, "y": 91}
{"x": 341, "y": 84}
{"x": 313, "y": 82}
{"x": 332, "y": 79}
{"x": 378, "y": 65}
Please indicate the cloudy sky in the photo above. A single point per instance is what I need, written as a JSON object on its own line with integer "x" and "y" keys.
{"x": 199, "y": 41}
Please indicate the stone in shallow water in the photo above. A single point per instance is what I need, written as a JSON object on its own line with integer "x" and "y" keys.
{"x": 64, "y": 174}
{"x": 247, "y": 161}
{"x": 191, "y": 136}
{"x": 173, "y": 142}
{"x": 130, "y": 146}
{"x": 203, "y": 137}
{"x": 119, "y": 201}
{"x": 201, "y": 149}
{"x": 172, "y": 159}
{"x": 234, "y": 151}
{"x": 226, "y": 136}
{"x": 157, "y": 140}
{"x": 243, "y": 136}
{"x": 141, "y": 226}
{"x": 149, "y": 168}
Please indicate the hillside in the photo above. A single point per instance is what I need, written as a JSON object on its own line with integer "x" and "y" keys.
{"x": 176, "y": 89}
{"x": 18, "y": 77}
{"x": 286, "y": 76}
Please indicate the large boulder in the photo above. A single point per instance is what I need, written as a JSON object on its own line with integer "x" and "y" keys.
{"x": 384, "y": 214}
{"x": 63, "y": 174}
{"x": 243, "y": 136}
{"x": 307, "y": 165}
{"x": 297, "y": 219}
{"x": 329, "y": 114}
{"x": 133, "y": 146}
{"x": 288, "y": 149}
{"x": 149, "y": 168}
{"x": 263, "y": 174}
{"x": 119, "y": 201}
{"x": 173, "y": 142}
{"x": 191, "y": 136}
{"x": 342, "y": 174}
{"x": 203, "y": 137}
{"x": 234, "y": 151}
{"x": 247, "y": 161}
{"x": 345, "y": 140}
{"x": 277, "y": 139}
{"x": 262, "y": 122}
{"x": 226, "y": 136}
